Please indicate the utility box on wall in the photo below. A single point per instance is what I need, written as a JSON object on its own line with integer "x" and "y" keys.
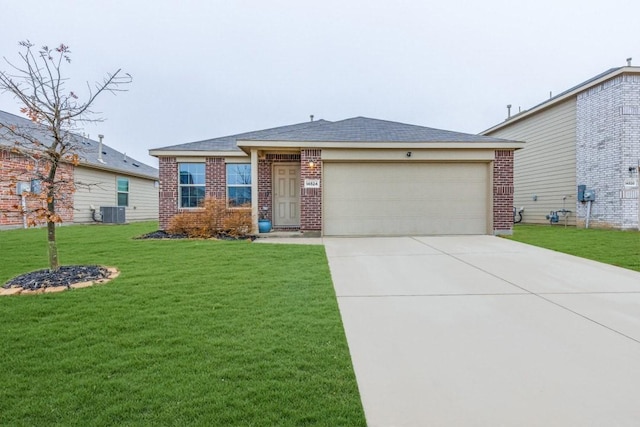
{"x": 585, "y": 195}
{"x": 112, "y": 214}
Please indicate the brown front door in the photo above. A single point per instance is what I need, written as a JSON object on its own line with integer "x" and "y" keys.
{"x": 286, "y": 195}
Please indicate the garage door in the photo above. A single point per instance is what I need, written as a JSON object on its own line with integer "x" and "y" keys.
{"x": 386, "y": 199}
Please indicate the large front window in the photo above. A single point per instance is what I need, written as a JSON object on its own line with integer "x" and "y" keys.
{"x": 239, "y": 184}
{"x": 191, "y": 187}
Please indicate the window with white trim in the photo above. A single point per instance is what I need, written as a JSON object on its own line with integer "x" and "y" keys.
{"x": 238, "y": 185}
{"x": 122, "y": 191}
{"x": 191, "y": 184}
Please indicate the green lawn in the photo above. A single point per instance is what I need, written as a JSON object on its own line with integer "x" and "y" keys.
{"x": 621, "y": 248}
{"x": 192, "y": 332}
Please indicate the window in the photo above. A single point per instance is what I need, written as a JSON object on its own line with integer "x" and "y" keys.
{"x": 123, "y": 191}
{"x": 238, "y": 185}
{"x": 191, "y": 184}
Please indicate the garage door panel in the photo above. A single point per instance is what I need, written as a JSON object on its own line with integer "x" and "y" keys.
{"x": 402, "y": 199}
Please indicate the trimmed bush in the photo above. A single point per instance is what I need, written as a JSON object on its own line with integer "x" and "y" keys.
{"x": 212, "y": 219}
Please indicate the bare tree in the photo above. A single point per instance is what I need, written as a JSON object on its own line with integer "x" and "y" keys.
{"x": 50, "y": 140}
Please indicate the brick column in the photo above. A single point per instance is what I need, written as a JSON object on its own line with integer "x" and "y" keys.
{"x": 503, "y": 192}
{"x": 310, "y": 198}
{"x": 264, "y": 187}
{"x": 168, "y": 194}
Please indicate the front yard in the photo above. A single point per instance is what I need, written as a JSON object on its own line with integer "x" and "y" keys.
{"x": 192, "y": 332}
{"x": 621, "y": 248}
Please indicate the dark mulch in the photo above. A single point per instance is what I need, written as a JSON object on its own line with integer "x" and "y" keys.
{"x": 65, "y": 276}
{"x": 161, "y": 234}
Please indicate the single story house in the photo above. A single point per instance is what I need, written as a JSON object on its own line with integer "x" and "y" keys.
{"x": 103, "y": 177}
{"x": 585, "y": 138}
{"x": 355, "y": 177}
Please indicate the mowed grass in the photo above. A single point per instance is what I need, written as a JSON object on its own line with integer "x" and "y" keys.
{"x": 193, "y": 332}
{"x": 621, "y": 248}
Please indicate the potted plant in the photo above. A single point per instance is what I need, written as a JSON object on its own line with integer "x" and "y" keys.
{"x": 264, "y": 223}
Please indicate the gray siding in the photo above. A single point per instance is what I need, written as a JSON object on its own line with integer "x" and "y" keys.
{"x": 546, "y": 166}
{"x": 98, "y": 188}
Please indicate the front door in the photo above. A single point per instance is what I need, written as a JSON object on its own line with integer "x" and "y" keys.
{"x": 286, "y": 195}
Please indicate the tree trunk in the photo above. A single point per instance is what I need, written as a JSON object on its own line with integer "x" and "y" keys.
{"x": 54, "y": 264}
{"x": 53, "y": 248}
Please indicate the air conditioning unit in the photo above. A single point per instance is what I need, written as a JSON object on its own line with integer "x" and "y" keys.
{"x": 112, "y": 214}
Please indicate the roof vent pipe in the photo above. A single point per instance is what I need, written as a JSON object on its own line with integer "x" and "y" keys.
{"x": 100, "y": 148}
{"x": 508, "y": 111}
{"x": 629, "y": 62}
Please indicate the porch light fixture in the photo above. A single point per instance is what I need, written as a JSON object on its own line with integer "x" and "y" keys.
{"x": 311, "y": 164}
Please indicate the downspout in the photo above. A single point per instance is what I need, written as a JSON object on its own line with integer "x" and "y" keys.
{"x": 24, "y": 210}
{"x": 588, "y": 214}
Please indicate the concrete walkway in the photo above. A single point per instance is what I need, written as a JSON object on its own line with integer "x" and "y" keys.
{"x": 483, "y": 331}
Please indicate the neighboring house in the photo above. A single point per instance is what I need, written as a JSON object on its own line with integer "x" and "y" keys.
{"x": 104, "y": 177}
{"x": 358, "y": 176}
{"x": 588, "y": 135}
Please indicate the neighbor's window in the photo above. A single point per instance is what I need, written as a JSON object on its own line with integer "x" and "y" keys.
{"x": 191, "y": 184}
{"x": 238, "y": 184}
{"x": 123, "y": 191}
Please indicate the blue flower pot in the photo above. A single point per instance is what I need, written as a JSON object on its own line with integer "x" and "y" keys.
{"x": 264, "y": 225}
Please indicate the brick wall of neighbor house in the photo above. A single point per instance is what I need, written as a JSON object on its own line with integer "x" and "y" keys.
{"x": 608, "y": 144}
{"x": 503, "y": 192}
{"x": 168, "y": 192}
{"x": 310, "y": 198}
{"x": 265, "y": 181}
{"x": 15, "y": 166}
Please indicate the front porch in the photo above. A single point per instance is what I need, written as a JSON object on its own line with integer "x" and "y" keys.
{"x": 278, "y": 190}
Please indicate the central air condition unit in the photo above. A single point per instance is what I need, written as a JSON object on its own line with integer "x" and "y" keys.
{"x": 112, "y": 214}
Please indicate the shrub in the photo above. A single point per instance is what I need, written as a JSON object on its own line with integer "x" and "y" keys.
{"x": 212, "y": 219}
{"x": 237, "y": 222}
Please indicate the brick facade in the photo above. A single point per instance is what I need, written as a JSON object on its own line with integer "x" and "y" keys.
{"x": 311, "y": 198}
{"x": 503, "y": 192}
{"x": 215, "y": 178}
{"x": 607, "y": 146}
{"x": 15, "y": 168}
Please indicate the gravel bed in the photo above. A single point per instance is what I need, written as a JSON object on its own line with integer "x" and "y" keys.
{"x": 65, "y": 276}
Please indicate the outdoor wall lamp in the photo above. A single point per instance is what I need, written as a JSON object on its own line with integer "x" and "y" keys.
{"x": 311, "y": 164}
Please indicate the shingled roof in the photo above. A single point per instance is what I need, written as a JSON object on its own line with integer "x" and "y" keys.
{"x": 228, "y": 143}
{"x": 112, "y": 160}
{"x": 363, "y": 129}
{"x": 356, "y": 129}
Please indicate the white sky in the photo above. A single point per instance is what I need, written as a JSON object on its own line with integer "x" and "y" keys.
{"x": 203, "y": 69}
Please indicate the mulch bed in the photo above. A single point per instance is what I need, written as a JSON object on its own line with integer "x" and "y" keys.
{"x": 161, "y": 234}
{"x": 66, "y": 275}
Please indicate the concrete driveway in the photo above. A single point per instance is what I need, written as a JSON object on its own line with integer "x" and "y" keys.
{"x": 483, "y": 331}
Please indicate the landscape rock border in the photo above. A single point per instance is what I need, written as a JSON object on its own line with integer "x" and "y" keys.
{"x": 19, "y": 290}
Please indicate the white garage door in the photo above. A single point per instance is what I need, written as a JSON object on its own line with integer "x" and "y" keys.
{"x": 386, "y": 199}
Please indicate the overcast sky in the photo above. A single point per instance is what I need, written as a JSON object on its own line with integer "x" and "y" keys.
{"x": 203, "y": 69}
